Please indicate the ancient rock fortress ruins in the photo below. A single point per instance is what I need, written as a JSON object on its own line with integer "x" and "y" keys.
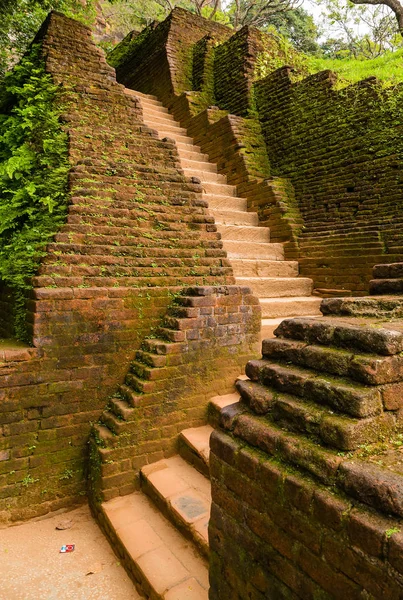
{"x": 206, "y": 203}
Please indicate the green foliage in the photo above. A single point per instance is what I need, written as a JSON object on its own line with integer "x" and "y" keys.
{"x": 21, "y": 19}
{"x": 279, "y": 52}
{"x": 387, "y": 68}
{"x": 127, "y": 47}
{"x": 33, "y": 174}
{"x": 299, "y": 28}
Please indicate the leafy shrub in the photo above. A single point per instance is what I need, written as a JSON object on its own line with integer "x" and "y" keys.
{"x": 33, "y": 174}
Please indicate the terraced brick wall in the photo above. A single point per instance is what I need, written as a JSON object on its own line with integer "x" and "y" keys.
{"x": 306, "y": 470}
{"x": 341, "y": 150}
{"x": 190, "y": 63}
{"x": 136, "y": 232}
{"x": 160, "y": 61}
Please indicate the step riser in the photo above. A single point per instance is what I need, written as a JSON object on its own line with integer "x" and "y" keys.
{"x": 277, "y": 288}
{"x": 238, "y": 218}
{"x": 253, "y": 250}
{"x": 217, "y": 202}
{"x": 198, "y": 165}
{"x": 205, "y": 176}
{"x": 243, "y": 268}
{"x": 260, "y": 235}
{"x": 219, "y": 188}
{"x": 290, "y": 308}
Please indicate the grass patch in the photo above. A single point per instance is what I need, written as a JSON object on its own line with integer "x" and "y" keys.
{"x": 387, "y": 68}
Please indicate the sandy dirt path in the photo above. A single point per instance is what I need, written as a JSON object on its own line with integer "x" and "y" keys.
{"x": 32, "y": 568}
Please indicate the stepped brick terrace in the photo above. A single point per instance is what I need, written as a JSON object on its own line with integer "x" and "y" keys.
{"x": 215, "y": 333}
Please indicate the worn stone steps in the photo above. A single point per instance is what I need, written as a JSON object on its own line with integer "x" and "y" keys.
{"x": 160, "y": 560}
{"x": 369, "y": 369}
{"x": 183, "y": 495}
{"x": 353, "y": 399}
{"x": 221, "y": 189}
{"x": 217, "y": 403}
{"x": 198, "y": 165}
{"x": 241, "y": 236}
{"x": 254, "y": 250}
{"x": 273, "y": 308}
{"x": 194, "y": 447}
{"x": 243, "y": 233}
{"x": 303, "y": 416}
{"x": 235, "y": 217}
{"x": 222, "y": 202}
{"x": 277, "y": 287}
{"x": 343, "y": 334}
{"x": 205, "y": 176}
{"x": 134, "y": 250}
{"x": 264, "y": 268}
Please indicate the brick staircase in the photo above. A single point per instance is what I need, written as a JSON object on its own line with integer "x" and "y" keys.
{"x": 256, "y": 262}
{"x": 161, "y": 532}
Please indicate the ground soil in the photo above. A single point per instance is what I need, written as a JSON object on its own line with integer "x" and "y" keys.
{"x": 32, "y": 568}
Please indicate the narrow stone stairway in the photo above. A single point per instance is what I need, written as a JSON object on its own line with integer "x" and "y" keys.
{"x": 257, "y": 263}
{"x": 161, "y": 532}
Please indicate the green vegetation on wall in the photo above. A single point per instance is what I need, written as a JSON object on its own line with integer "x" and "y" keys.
{"x": 388, "y": 68}
{"x": 33, "y": 174}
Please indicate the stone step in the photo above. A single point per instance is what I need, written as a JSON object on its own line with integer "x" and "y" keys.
{"x": 369, "y": 369}
{"x": 194, "y": 447}
{"x": 149, "y": 101}
{"x": 277, "y": 287}
{"x": 378, "y": 287}
{"x": 193, "y": 155}
{"x": 220, "y": 189}
{"x": 336, "y": 332}
{"x": 158, "y": 111}
{"x": 142, "y": 95}
{"x": 167, "y": 132}
{"x": 205, "y": 176}
{"x": 183, "y": 495}
{"x": 185, "y": 148}
{"x": 296, "y": 449}
{"x": 235, "y": 217}
{"x": 103, "y": 434}
{"x": 244, "y": 233}
{"x": 264, "y": 268}
{"x": 157, "y": 117}
{"x": 217, "y": 403}
{"x": 273, "y": 308}
{"x": 198, "y": 165}
{"x": 162, "y": 563}
{"x": 388, "y": 271}
{"x": 302, "y": 416}
{"x": 166, "y": 127}
{"x": 253, "y": 250}
{"x": 352, "y": 399}
{"x": 221, "y": 202}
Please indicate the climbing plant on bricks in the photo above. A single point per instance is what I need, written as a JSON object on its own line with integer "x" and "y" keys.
{"x": 33, "y": 174}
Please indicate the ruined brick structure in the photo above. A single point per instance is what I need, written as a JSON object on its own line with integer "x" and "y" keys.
{"x": 306, "y": 472}
{"x": 104, "y": 285}
{"x": 326, "y": 163}
{"x": 195, "y": 188}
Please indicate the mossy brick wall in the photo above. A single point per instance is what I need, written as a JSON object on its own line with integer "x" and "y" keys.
{"x": 234, "y": 67}
{"x": 198, "y": 60}
{"x": 162, "y": 63}
{"x": 136, "y": 231}
{"x": 236, "y": 145}
{"x": 276, "y": 535}
{"x": 171, "y": 381}
{"x": 342, "y": 151}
